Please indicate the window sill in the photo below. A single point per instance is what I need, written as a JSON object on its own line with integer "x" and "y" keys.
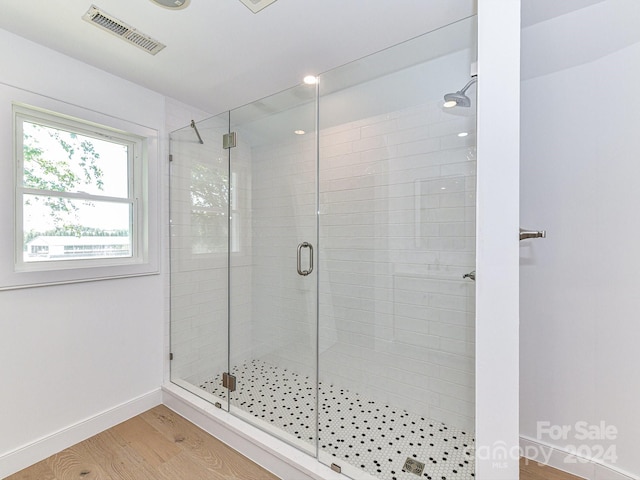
{"x": 22, "y": 280}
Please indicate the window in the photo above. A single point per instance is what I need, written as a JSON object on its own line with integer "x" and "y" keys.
{"x": 80, "y": 193}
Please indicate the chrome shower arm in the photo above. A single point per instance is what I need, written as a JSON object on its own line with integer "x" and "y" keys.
{"x": 193, "y": 125}
{"x": 473, "y": 80}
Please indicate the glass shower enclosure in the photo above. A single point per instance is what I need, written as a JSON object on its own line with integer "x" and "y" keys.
{"x": 321, "y": 241}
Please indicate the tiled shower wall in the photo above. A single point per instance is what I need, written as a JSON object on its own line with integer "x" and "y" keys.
{"x": 199, "y": 247}
{"x": 198, "y": 263}
{"x": 397, "y": 234}
{"x": 284, "y": 215}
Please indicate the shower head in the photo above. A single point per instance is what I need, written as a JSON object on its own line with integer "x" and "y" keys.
{"x": 459, "y": 99}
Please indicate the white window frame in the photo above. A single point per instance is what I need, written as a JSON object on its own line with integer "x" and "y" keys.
{"x": 143, "y": 190}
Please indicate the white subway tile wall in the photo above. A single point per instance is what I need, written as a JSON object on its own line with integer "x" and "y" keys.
{"x": 177, "y": 115}
{"x": 397, "y": 234}
{"x": 198, "y": 235}
{"x": 241, "y": 259}
{"x": 284, "y": 216}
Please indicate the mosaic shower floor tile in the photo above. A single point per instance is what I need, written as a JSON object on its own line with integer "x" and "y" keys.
{"x": 386, "y": 442}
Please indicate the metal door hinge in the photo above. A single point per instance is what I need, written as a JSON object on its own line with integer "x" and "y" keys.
{"x": 170, "y": 158}
{"x": 229, "y": 382}
{"x": 171, "y": 356}
{"x": 229, "y": 140}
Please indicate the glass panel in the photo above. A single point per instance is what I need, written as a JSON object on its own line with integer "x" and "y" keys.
{"x": 397, "y": 234}
{"x": 60, "y": 228}
{"x": 273, "y": 307}
{"x": 199, "y": 184}
{"x": 63, "y": 161}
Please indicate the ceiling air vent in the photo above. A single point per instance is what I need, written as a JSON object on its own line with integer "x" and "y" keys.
{"x": 101, "y": 19}
{"x": 256, "y": 5}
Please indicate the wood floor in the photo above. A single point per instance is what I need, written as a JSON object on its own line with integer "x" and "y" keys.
{"x": 530, "y": 470}
{"x": 157, "y": 445}
{"x": 161, "y": 445}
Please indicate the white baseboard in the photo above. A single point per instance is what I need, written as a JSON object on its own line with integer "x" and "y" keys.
{"x": 283, "y": 460}
{"x": 586, "y": 468}
{"x": 26, "y": 455}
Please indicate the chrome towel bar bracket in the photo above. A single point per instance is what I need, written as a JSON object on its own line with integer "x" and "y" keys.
{"x": 525, "y": 233}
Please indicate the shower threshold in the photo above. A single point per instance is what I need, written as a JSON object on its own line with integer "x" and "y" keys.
{"x": 354, "y": 432}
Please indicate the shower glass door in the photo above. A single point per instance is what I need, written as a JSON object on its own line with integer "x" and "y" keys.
{"x": 199, "y": 185}
{"x": 321, "y": 244}
{"x": 273, "y": 272}
{"x": 397, "y": 237}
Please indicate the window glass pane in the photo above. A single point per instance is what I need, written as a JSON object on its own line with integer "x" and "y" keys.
{"x": 64, "y": 161}
{"x": 209, "y": 206}
{"x": 59, "y": 228}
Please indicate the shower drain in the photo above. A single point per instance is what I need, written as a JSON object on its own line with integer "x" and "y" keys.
{"x": 413, "y": 466}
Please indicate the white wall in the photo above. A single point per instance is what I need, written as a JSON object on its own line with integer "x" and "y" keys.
{"x": 397, "y": 234}
{"x": 497, "y": 250}
{"x": 71, "y": 353}
{"x": 579, "y": 286}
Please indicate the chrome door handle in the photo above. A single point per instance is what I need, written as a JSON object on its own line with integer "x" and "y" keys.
{"x": 524, "y": 234}
{"x": 304, "y": 273}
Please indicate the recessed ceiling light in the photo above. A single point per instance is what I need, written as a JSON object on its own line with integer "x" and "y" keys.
{"x": 463, "y": 134}
{"x": 299, "y": 132}
{"x": 310, "y": 79}
{"x": 172, "y": 4}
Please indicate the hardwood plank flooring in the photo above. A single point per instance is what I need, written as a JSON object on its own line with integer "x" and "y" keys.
{"x": 530, "y": 470}
{"x": 40, "y": 470}
{"x": 157, "y": 445}
{"x": 161, "y": 445}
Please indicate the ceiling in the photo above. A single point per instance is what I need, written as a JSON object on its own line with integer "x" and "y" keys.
{"x": 220, "y": 55}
